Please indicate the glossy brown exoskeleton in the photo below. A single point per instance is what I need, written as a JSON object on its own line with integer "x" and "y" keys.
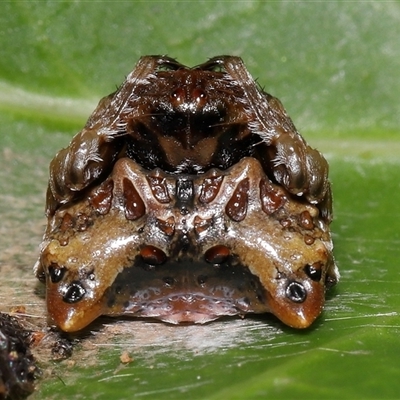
{"x": 188, "y": 195}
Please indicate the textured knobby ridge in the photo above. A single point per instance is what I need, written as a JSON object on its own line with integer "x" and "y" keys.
{"x": 188, "y": 195}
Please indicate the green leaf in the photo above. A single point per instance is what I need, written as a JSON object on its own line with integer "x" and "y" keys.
{"x": 335, "y": 67}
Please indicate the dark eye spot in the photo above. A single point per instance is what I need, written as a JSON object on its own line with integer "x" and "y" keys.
{"x": 56, "y": 272}
{"x": 296, "y": 292}
{"x": 199, "y": 96}
{"x": 74, "y": 293}
{"x": 177, "y": 97}
{"x": 314, "y": 271}
{"x": 330, "y": 280}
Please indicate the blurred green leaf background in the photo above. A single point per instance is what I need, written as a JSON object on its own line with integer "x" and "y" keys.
{"x": 335, "y": 66}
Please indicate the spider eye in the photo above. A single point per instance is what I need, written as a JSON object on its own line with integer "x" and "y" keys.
{"x": 314, "y": 271}
{"x": 296, "y": 292}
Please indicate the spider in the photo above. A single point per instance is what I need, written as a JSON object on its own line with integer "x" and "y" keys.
{"x": 188, "y": 195}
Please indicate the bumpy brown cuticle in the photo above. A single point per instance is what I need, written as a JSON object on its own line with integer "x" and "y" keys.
{"x": 309, "y": 239}
{"x": 134, "y": 205}
{"x": 166, "y": 226}
{"x": 66, "y": 223}
{"x": 102, "y": 198}
{"x": 159, "y": 189}
{"x": 236, "y": 207}
{"x": 201, "y": 225}
{"x": 271, "y": 200}
{"x": 306, "y": 220}
{"x": 203, "y": 200}
{"x": 210, "y": 189}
